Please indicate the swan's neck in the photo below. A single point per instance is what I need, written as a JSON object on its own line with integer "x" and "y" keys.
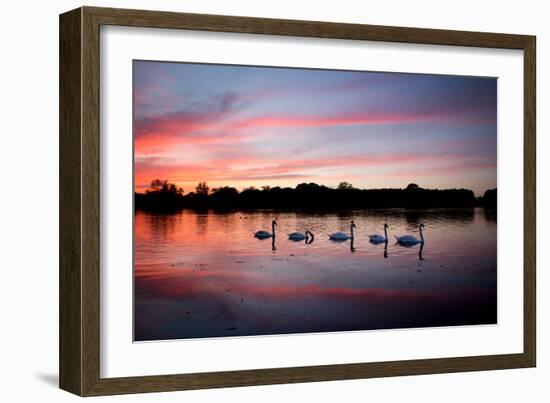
{"x": 386, "y": 232}
{"x": 351, "y": 230}
{"x": 273, "y": 229}
{"x": 421, "y": 235}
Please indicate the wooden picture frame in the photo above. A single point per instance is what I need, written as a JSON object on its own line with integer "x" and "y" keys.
{"x": 79, "y": 346}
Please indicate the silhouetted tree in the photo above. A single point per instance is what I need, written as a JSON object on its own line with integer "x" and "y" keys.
{"x": 413, "y": 186}
{"x": 202, "y": 189}
{"x": 224, "y": 197}
{"x": 160, "y": 196}
{"x": 345, "y": 186}
{"x": 489, "y": 198}
{"x": 157, "y": 185}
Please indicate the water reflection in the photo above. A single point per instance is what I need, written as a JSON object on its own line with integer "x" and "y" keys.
{"x": 263, "y": 241}
{"x": 202, "y": 223}
{"x": 490, "y": 215}
{"x": 204, "y": 275}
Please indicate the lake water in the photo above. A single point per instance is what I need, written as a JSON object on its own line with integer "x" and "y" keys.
{"x": 203, "y": 274}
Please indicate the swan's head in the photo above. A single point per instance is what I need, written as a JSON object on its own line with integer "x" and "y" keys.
{"x": 274, "y": 222}
{"x": 386, "y": 225}
{"x": 353, "y": 224}
{"x": 422, "y": 226}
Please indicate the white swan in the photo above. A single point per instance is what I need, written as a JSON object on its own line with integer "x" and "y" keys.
{"x": 377, "y": 238}
{"x": 267, "y": 234}
{"x": 342, "y": 236}
{"x": 408, "y": 240}
{"x": 300, "y": 236}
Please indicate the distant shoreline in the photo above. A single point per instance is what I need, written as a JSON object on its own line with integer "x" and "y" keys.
{"x": 166, "y": 197}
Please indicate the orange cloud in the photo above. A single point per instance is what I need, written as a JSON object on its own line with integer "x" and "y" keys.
{"x": 250, "y": 168}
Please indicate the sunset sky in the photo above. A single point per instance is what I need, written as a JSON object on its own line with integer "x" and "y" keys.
{"x": 254, "y": 126}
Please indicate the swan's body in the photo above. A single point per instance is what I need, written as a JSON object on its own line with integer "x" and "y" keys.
{"x": 408, "y": 240}
{"x": 300, "y": 236}
{"x": 377, "y": 238}
{"x": 342, "y": 236}
{"x": 266, "y": 234}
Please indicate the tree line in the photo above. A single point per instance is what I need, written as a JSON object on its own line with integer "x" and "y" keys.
{"x": 164, "y": 196}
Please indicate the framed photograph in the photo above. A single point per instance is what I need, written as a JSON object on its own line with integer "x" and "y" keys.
{"x": 249, "y": 201}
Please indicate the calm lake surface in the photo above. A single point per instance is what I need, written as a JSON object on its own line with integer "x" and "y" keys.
{"x": 203, "y": 274}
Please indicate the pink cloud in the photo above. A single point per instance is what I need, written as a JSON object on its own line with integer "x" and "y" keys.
{"x": 162, "y": 133}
